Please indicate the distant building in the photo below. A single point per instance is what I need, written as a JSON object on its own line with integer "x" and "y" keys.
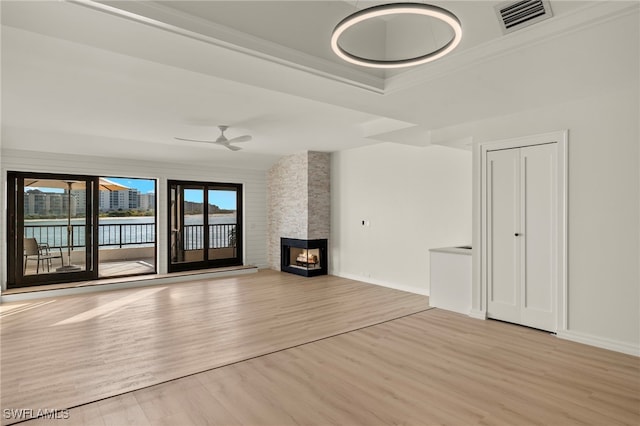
{"x": 35, "y": 202}
{"x": 119, "y": 200}
{"x": 79, "y": 200}
{"x": 38, "y": 203}
{"x": 147, "y": 201}
{"x": 134, "y": 198}
{"x": 125, "y": 200}
{"x": 104, "y": 200}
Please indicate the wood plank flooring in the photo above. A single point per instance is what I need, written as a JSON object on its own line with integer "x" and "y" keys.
{"x": 426, "y": 367}
{"x": 76, "y": 349}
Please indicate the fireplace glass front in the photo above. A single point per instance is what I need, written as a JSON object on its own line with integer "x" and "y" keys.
{"x": 304, "y": 257}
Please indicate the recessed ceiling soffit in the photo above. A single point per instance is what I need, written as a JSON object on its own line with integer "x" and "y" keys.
{"x": 296, "y": 34}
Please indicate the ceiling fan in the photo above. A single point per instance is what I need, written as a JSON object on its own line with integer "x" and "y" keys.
{"x": 222, "y": 139}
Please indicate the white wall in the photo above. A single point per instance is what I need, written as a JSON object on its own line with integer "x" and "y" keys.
{"x": 3, "y": 209}
{"x": 254, "y": 185}
{"x": 413, "y": 198}
{"x": 603, "y": 211}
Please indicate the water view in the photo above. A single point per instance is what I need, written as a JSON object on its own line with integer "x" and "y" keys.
{"x": 116, "y": 232}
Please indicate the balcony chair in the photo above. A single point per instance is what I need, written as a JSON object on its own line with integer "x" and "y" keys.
{"x": 40, "y": 252}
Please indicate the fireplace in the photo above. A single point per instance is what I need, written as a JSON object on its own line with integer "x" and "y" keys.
{"x": 303, "y": 257}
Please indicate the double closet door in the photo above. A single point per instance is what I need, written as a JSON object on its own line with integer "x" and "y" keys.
{"x": 522, "y": 232}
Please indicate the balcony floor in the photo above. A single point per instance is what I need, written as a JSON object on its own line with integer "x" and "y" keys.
{"x": 111, "y": 268}
{"x": 126, "y": 267}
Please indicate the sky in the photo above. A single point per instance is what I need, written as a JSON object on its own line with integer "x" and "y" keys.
{"x": 222, "y": 199}
{"x": 142, "y": 185}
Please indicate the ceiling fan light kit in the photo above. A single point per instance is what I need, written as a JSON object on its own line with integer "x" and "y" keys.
{"x": 396, "y": 9}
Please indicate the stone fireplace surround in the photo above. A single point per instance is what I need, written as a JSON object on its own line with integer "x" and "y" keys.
{"x": 298, "y": 201}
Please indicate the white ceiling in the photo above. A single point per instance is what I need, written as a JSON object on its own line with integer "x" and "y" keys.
{"x": 83, "y": 77}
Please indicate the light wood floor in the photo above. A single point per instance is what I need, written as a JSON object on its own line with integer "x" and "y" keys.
{"x": 76, "y": 349}
{"x": 423, "y": 367}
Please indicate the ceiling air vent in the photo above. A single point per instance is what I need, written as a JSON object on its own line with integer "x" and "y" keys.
{"x": 516, "y": 15}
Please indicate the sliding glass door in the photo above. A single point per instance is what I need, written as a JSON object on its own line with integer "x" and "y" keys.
{"x": 65, "y": 228}
{"x": 50, "y": 234}
{"x": 205, "y": 226}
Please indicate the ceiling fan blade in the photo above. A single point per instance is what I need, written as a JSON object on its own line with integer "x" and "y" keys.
{"x": 194, "y": 140}
{"x": 245, "y": 138}
{"x": 222, "y": 140}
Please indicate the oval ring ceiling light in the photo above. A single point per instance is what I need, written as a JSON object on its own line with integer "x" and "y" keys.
{"x": 396, "y": 9}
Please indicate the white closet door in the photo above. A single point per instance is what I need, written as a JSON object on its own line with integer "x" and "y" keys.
{"x": 503, "y": 250}
{"x": 522, "y": 235}
{"x": 539, "y": 235}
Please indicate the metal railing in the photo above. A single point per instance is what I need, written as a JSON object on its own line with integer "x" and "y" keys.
{"x": 126, "y": 234}
{"x": 109, "y": 235}
{"x": 129, "y": 234}
{"x": 220, "y": 236}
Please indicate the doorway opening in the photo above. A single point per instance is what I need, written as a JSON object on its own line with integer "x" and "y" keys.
{"x": 205, "y": 225}
{"x": 127, "y": 228}
{"x": 56, "y": 233}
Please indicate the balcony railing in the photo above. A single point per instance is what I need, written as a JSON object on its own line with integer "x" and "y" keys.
{"x": 131, "y": 234}
{"x": 126, "y": 234}
{"x": 220, "y": 236}
{"x": 109, "y": 235}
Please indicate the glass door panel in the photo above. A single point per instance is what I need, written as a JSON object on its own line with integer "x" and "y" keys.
{"x": 187, "y": 224}
{"x": 126, "y": 226}
{"x": 223, "y": 221}
{"x": 193, "y": 225}
{"x": 50, "y": 228}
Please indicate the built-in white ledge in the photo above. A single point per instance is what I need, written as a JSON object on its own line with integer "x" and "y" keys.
{"x": 454, "y": 250}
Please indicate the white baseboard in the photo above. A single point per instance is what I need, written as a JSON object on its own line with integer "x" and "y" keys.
{"x": 395, "y": 286}
{"x": 600, "y": 342}
{"x": 482, "y": 315}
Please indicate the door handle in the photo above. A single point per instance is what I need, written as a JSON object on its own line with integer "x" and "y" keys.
{"x": 517, "y": 234}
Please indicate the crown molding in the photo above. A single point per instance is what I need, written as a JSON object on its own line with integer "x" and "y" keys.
{"x": 170, "y": 20}
{"x": 590, "y": 15}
